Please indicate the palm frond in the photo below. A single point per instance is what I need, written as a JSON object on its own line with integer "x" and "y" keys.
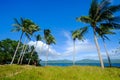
{"x": 114, "y": 9}
{"x": 103, "y": 31}
{"x": 17, "y": 22}
{"x": 105, "y": 37}
{"x": 107, "y": 12}
{"x": 93, "y": 9}
{"x": 79, "y": 33}
{"x": 83, "y": 30}
{"x": 22, "y": 21}
{"x": 75, "y": 34}
{"x": 47, "y": 31}
{"x": 111, "y": 25}
{"x": 85, "y": 19}
{"x": 48, "y": 37}
{"x": 50, "y": 40}
{"x": 28, "y": 36}
{"x": 104, "y": 4}
{"x": 15, "y": 30}
{"x": 115, "y": 19}
{"x": 104, "y": 16}
{"x": 38, "y": 37}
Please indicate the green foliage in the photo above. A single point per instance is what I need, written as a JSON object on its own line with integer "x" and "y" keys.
{"x": 48, "y": 37}
{"x": 26, "y": 26}
{"x": 15, "y": 72}
{"x": 79, "y": 33}
{"x": 102, "y": 13}
{"x": 38, "y": 37}
{"x": 7, "y": 48}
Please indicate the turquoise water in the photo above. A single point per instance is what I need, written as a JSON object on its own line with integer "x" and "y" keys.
{"x": 80, "y": 64}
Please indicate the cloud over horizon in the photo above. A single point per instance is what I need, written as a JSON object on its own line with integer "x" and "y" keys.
{"x": 84, "y": 49}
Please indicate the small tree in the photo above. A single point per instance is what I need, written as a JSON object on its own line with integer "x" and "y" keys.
{"x": 49, "y": 39}
{"x": 77, "y": 34}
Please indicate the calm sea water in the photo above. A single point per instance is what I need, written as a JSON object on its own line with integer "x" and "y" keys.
{"x": 80, "y": 64}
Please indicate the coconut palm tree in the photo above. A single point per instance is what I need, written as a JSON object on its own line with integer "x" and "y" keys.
{"x": 38, "y": 38}
{"x": 103, "y": 31}
{"x": 77, "y": 34}
{"x": 27, "y": 27}
{"x": 49, "y": 39}
{"x": 101, "y": 13}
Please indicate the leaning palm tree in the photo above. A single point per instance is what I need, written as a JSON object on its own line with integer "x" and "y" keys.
{"x": 21, "y": 51}
{"x": 27, "y": 27}
{"x": 101, "y": 13}
{"x": 77, "y": 34}
{"x": 38, "y": 38}
{"x": 23, "y": 47}
{"x": 49, "y": 39}
{"x": 103, "y": 31}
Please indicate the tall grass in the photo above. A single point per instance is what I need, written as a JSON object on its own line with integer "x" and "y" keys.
{"x": 15, "y": 72}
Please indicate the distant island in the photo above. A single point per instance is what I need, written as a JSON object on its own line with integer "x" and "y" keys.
{"x": 82, "y": 61}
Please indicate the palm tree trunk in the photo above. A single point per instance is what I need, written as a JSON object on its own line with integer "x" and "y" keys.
{"x": 32, "y": 53}
{"x": 23, "y": 54}
{"x": 41, "y": 48}
{"x": 47, "y": 56}
{"x": 74, "y": 50}
{"x": 98, "y": 50}
{"x": 107, "y": 53}
{"x": 17, "y": 48}
{"x": 21, "y": 51}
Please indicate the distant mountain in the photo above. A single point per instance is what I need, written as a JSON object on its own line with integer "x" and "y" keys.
{"x": 58, "y": 61}
{"x": 82, "y": 61}
{"x": 87, "y": 61}
{"x": 113, "y": 61}
{"x": 97, "y": 61}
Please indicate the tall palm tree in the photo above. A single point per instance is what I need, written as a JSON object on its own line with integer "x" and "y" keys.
{"x": 27, "y": 27}
{"x": 101, "y": 13}
{"x": 38, "y": 38}
{"x": 77, "y": 34}
{"x": 103, "y": 31}
{"x": 49, "y": 39}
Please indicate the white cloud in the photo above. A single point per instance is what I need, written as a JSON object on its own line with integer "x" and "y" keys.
{"x": 42, "y": 50}
{"x": 84, "y": 49}
{"x": 81, "y": 46}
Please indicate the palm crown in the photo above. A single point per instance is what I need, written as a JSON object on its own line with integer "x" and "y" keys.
{"x": 78, "y": 34}
{"x": 102, "y": 14}
{"x": 26, "y": 26}
{"x": 48, "y": 37}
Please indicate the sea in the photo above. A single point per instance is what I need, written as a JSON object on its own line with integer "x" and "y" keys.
{"x": 81, "y": 64}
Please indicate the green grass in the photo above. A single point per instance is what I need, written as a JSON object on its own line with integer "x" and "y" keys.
{"x": 16, "y": 72}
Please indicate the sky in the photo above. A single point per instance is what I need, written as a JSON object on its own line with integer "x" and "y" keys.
{"x": 60, "y": 17}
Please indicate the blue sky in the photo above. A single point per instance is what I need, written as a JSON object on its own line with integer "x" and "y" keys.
{"x": 60, "y": 17}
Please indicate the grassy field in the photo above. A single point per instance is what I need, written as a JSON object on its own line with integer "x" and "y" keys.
{"x": 16, "y": 72}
